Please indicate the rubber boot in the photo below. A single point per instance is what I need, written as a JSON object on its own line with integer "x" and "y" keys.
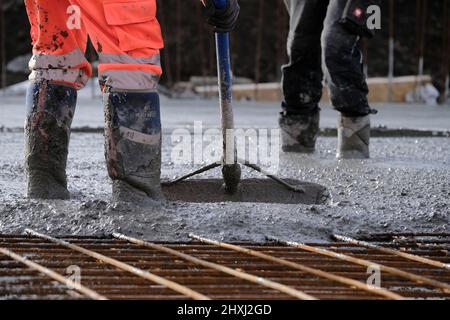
{"x": 299, "y": 132}
{"x": 353, "y": 137}
{"x": 133, "y": 146}
{"x": 50, "y": 110}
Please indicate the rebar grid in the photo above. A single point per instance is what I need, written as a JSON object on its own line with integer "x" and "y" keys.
{"x": 20, "y": 281}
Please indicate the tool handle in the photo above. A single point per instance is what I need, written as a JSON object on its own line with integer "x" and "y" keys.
{"x": 220, "y": 4}
{"x": 225, "y": 87}
{"x": 224, "y": 67}
{"x": 231, "y": 170}
{"x": 225, "y": 94}
{"x": 223, "y": 58}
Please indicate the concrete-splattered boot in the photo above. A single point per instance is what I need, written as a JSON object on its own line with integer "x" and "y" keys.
{"x": 50, "y": 110}
{"x": 353, "y": 137}
{"x": 133, "y": 146}
{"x": 299, "y": 132}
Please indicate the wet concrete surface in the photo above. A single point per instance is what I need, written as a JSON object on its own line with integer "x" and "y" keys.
{"x": 182, "y": 113}
{"x": 404, "y": 187}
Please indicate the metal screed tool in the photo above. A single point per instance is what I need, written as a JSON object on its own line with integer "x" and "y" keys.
{"x": 231, "y": 168}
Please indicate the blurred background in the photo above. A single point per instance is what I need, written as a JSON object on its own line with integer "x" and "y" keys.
{"x": 408, "y": 60}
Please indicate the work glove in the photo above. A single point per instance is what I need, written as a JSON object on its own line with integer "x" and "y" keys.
{"x": 223, "y": 20}
{"x": 355, "y": 17}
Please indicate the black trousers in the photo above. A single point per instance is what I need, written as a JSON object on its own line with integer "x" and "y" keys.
{"x": 317, "y": 39}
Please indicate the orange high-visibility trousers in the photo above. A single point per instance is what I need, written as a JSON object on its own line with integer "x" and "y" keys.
{"x": 125, "y": 34}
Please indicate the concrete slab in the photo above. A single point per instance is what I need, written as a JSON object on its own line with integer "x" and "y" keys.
{"x": 182, "y": 113}
{"x": 404, "y": 187}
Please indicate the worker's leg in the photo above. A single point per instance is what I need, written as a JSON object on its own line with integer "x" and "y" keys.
{"x": 58, "y": 68}
{"x": 302, "y": 76}
{"x": 347, "y": 83}
{"x": 58, "y": 43}
{"x": 127, "y": 37}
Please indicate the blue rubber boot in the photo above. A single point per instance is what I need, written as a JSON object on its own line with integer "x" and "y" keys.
{"x": 133, "y": 146}
{"x": 50, "y": 110}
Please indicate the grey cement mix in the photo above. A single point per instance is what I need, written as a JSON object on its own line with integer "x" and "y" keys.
{"x": 404, "y": 187}
{"x": 181, "y": 113}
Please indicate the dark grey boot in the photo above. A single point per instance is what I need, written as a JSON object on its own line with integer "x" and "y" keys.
{"x": 133, "y": 146}
{"x": 299, "y": 132}
{"x": 51, "y": 108}
{"x": 353, "y": 137}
